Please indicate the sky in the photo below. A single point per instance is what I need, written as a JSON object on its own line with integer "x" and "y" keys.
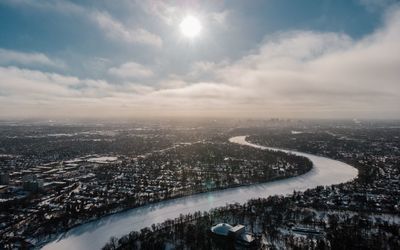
{"x": 251, "y": 59}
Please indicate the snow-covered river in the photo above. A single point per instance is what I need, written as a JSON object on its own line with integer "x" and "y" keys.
{"x": 94, "y": 235}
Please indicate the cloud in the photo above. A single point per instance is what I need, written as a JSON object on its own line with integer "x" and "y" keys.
{"x": 9, "y": 57}
{"x": 220, "y": 17}
{"x": 59, "y": 5}
{"x": 324, "y": 74}
{"x": 172, "y": 82}
{"x": 373, "y": 5}
{"x": 131, "y": 70}
{"x": 24, "y": 83}
{"x": 119, "y": 32}
{"x": 171, "y": 13}
{"x": 112, "y": 28}
{"x": 32, "y": 93}
{"x": 213, "y": 91}
{"x": 302, "y": 74}
{"x": 168, "y": 13}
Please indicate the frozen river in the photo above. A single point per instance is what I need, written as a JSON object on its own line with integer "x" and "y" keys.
{"x": 94, "y": 235}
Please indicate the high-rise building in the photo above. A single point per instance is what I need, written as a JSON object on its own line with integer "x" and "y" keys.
{"x": 32, "y": 183}
{"x": 4, "y": 178}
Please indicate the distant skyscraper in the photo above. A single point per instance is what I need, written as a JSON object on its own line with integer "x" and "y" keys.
{"x": 4, "y": 178}
{"x": 32, "y": 183}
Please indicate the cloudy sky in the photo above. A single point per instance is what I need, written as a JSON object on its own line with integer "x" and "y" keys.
{"x": 259, "y": 58}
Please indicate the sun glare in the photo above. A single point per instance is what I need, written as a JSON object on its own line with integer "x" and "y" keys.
{"x": 190, "y": 26}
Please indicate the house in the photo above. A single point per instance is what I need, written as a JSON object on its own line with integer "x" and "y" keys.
{"x": 236, "y": 233}
{"x": 221, "y": 229}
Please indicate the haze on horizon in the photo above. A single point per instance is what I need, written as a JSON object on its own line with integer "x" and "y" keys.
{"x": 250, "y": 59}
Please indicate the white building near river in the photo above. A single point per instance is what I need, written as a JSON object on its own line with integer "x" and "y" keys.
{"x": 237, "y": 233}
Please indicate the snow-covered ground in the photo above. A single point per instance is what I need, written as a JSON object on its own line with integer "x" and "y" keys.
{"x": 103, "y": 159}
{"x": 94, "y": 235}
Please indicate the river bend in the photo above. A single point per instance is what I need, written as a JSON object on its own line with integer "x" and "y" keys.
{"x": 95, "y": 234}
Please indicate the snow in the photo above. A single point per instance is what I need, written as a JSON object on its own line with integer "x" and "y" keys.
{"x": 95, "y": 234}
{"x": 221, "y": 229}
{"x": 103, "y": 159}
{"x": 294, "y": 132}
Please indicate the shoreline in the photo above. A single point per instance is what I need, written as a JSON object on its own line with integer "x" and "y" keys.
{"x": 139, "y": 217}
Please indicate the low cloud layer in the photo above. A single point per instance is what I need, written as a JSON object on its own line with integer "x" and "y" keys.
{"x": 131, "y": 70}
{"x": 11, "y": 57}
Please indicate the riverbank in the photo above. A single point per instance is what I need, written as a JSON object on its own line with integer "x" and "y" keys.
{"x": 95, "y": 234}
{"x": 262, "y": 166}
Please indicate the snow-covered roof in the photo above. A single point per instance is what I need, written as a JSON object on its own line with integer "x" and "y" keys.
{"x": 221, "y": 229}
{"x": 246, "y": 238}
{"x": 237, "y": 228}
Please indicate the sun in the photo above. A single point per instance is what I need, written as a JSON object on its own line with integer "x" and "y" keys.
{"x": 190, "y": 26}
